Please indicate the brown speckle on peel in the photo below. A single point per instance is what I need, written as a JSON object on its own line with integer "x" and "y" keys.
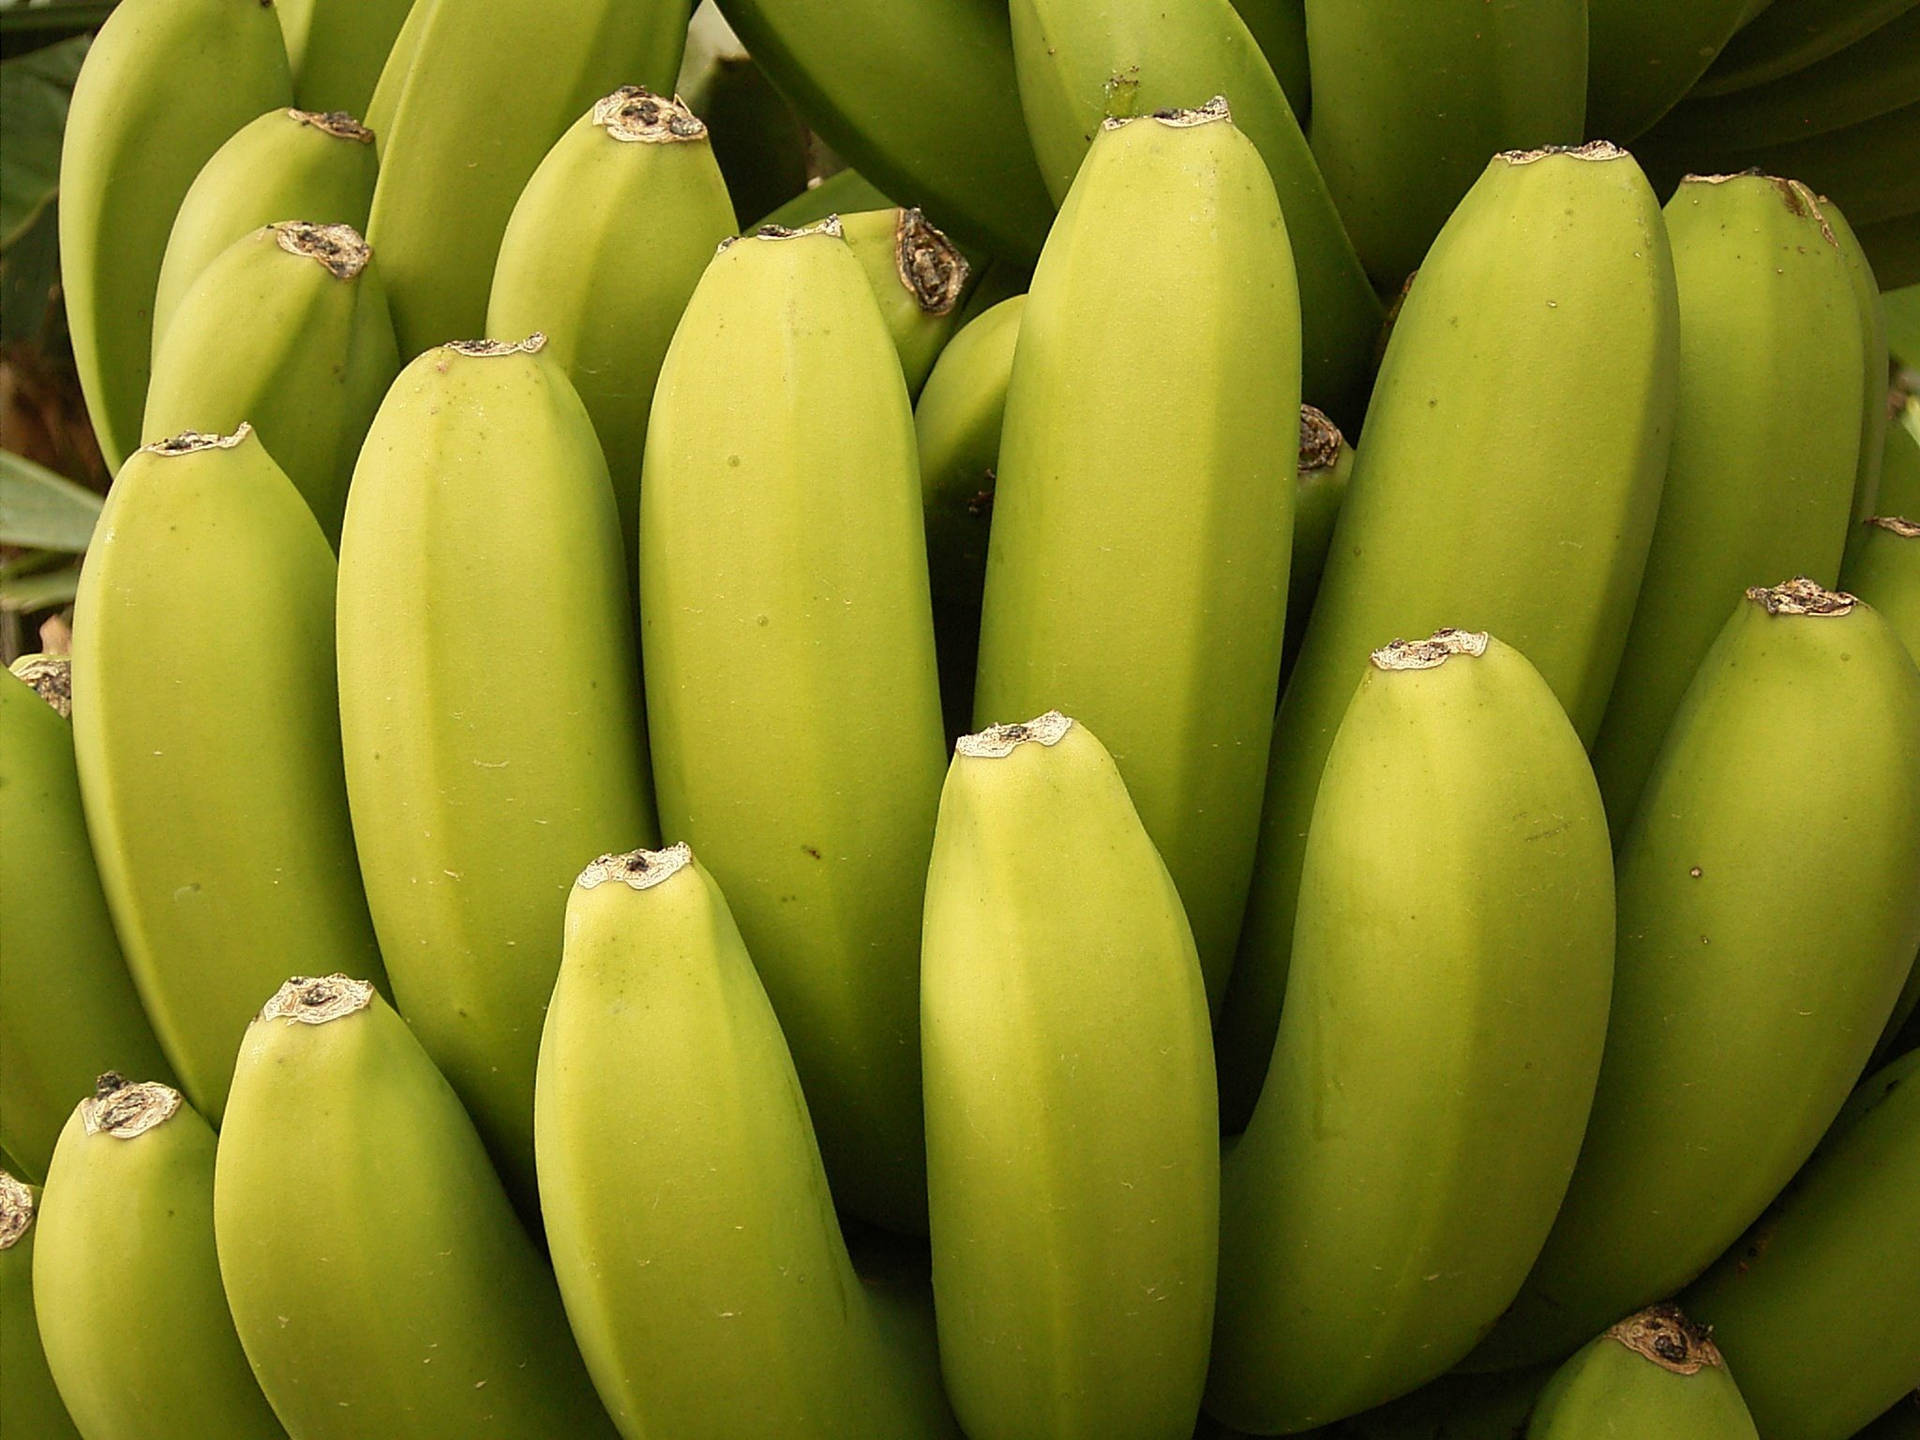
{"x": 811, "y": 850}
{"x": 337, "y": 123}
{"x": 1320, "y": 441}
{"x": 188, "y": 442}
{"x": 306, "y": 1000}
{"x": 636, "y": 869}
{"x": 50, "y": 677}
{"x": 126, "y": 1111}
{"x": 16, "y": 1210}
{"x": 1662, "y": 1334}
{"x": 1898, "y": 525}
{"x": 635, "y": 115}
{"x": 996, "y": 742}
{"x": 338, "y": 249}
{"x": 1431, "y": 653}
{"x": 1801, "y": 596}
{"x": 1592, "y": 150}
{"x": 928, "y": 264}
{"x": 1695, "y": 872}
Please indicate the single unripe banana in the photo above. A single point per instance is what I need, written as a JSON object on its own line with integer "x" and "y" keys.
{"x": 1507, "y": 480}
{"x": 1141, "y": 528}
{"x": 1320, "y": 488}
{"x": 571, "y": 269}
{"x": 288, "y": 330}
{"x": 1444, "y": 1019}
{"x": 790, "y": 681}
{"x": 1072, "y": 1134}
{"x": 1899, "y": 490}
{"x": 1766, "y": 444}
{"x": 67, "y": 1003}
{"x": 1654, "y": 1375}
{"x": 1874, "y": 414}
{"x": 473, "y": 96}
{"x": 725, "y": 1305}
{"x": 29, "y": 1403}
{"x": 918, "y": 276}
{"x": 126, "y": 1284}
{"x": 1645, "y": 54}
{"x": 286, "y": 164}
{"x": 337, "y": 49}
{"x": 379, "y": 1279}
{"x": 1883, "y": 569}
{"x": 843, "y": 192}
{"x": 481, "y": 525}
{"x": 759, "y": 141}
{"x": 165, "y": 83}
{"x": 206, "y": 732}
{"x": 1767, "y": 877}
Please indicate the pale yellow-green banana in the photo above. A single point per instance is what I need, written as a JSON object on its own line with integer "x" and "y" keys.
{"x": 337, "y": 49}
{"x": 473, "y": 96}
{"x": 379, "y": 1279}
{"x": 790, "y": 679}
{"x": 1320, "y": 488}
{"x": 164, "y": 84}
{"x": 761, "y": 144}
{"x": 1766, "y": 881}
{"x": 1654, "y": 1376}
{"x": 1507, "y": 480}
{"x": 919, "y": 277}
{"x": 1874, "y": 412}
{"x": 1883, "y": 569}
{"x": 126, "y": 1284}
{"x": 288, "y": 330}
{"x": 1072, "y": 1132}
{"x": 1643, "y": 55}
{"x": 1141, "y": 527}
{"x": 489, "y": 704}
{"x": 29, "y": 1403}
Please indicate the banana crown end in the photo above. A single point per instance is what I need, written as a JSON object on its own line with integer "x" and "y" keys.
{"x": 1431, "y": 653}
{"x": 51, "y": 678}
{"x": 189, "y": 442}
{"x": 337, "y": 123}
{"x": 635, "y": 115}
{"x": 125, "y": 1110}
{"x": 1592, "y": 150}
{"x": 304, "y": 1000}
{"x": 493, "y": 349}
{"x": 1801, "y": 596}
{"x": 929, "y": 264}
{"x": 1899, "y": 524}
{"x": 1213, "y": 111}
{"x": 1664, "y": 1335}
{"x": 830, "y": 227}
{"x": 637, "y": 869}
{"x": 1320, "y": 441}
{"x": 996, "y": 742}
{"x": 340, "y": 250}
{"x": 16, "y": 1210}
{"x": 1801, "y": 202}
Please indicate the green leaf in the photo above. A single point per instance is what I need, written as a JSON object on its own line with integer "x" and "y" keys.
{"x": 1903, "y": 325}
{"x": 34, "y": 91}
{"x": 47, "y": 590}
{"x": 42, "y": 510}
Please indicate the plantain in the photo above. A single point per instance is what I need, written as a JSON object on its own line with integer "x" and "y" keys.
{"x": 29, "y": 1402}
{"x": 337, "y": 49}
{"x": 1656, "y": 1373}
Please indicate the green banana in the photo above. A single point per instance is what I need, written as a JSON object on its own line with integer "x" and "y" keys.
{"x": 1496, "y": 389}
{"x": 1872, "y": 169}
{"x": 1833, "y": 1262}
{"x": 1899, "y": 490}
{"x": 1874, "y": 410}
{"x": 844, "y": 191}
{"x": 726, "y": 1306}
{"x": 165, "y": 83}
{"x": 1893, "y": 249}
{"x": 206, "y": 733}
{"x": 1883, "y": 569}
{"x": 918, "y": 276}
{"x": 477, "y": 92}
{"x": 378, "y": 1277}
{"x": 286, "y": 164}
{"x": 1654, "y": 1375}
{"x": 288, "y": 330}
{"x": 1072, "y": 1136}
{"x": 920, "y": 98}
{"x": 1794, "y": 35}
{"x": 760, "y": 143}
{"x": 1320, "y": 488}
{"x": 1766, "y": 445}
{"x": 29, "y": 1402}
{"x": 957, "y": 422}
{"x": 1643, "y": 55}
{"x": 1139, "y": 526}
{"x": 337, "y": 49}
{"x": 1279, "y": 27}
{"x": 1715, "y": 1087}
{"x": 126, "y": 1284}
{"x": 1432, "y": 1051}
{"x": 790, "y": 679}
{"x": 481, "y": 524}
{"x": 1081, "y": 61}
{"x": 1411, "y": 97}
{"x": 67, "y": 1004}
{"x": 569, "y": 267}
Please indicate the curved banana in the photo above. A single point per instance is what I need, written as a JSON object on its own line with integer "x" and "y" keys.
{"x": 919, "y": 277}
{"x": 1653, "y": 1374}
{"x": 1643, "y": 55}
{"x": 1767, "y": 877}
{"x": 126, "y": 1284}
{"x": 759, "y": 141}
{"x": 957, "y": 422}
{"x": 569, "y": 267}
{"x": 29, "y": 1403}
{"x": 1440, "y": 1041}
{"x": 844, "y": 191}
{"x": 67, "y": 1004}
{"x": 165, "y": 83}
{"x": 481, "y": 525}
{"x": 1875, "y": 414}
{"x": 1794, "y": 35}
{"x": 206, "y": 732}
{"x": 1899, "y": 489}
{"x": 1412, "y": 97}
{"x": 1279, "y": 27}
{"x": 1320, "y": 488}
{"x": 1494, "y": 391}
{"x": 1081, "y": 61}
{"x": 726, "y": 1306}
{"x": 1140, "y": 526}
{"x": 790, "y": 680}
{"x": 472, "y": 98}
{"x": 337, "y": 49}
{"x": 1072, "y": 1135}
{"x": 288, "y": 164}
{"x": 286, "y": 329}
{"x": 1766, "y": 445}
{"x": 379, "y": 1279}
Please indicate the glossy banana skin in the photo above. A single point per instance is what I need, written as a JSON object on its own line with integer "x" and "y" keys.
{"x": 1721, "y": 959}
{"x": 1139, "y": 528}
{"x": 482, "y": 524}
{"x": 206, "y": 734}
{"x": 1645, "y": 54}
{"x": 1072, "y": 1136}
{"x": 286, "y": 329}
{"x": 379, "y": 1279}
{"x": 919, "y": 278}
{"x": 286, "y": 165}
{"x": 1611, "y": 1389}
{"x": 1766, "y": 443}
{"x": 126, "y": 1283}
{"x": 67, "y": 1003}
{"x": 1459, "y": 512}
{"x": 165, "y": 83}
{"x": 337, "y": 49}
{"x": 1445, "y": 1014}
{"x": 473, "y": 96}
{"x": 791, "y": 689}
{"x": 1793, "y": 36}
{"x": 726, "y": 1305}
{"x": 29, "y": 1402}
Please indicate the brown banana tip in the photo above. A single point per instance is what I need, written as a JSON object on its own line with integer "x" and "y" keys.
{"x": 493, "y": 349}
{"x": 996, "y": 742}
{"x": 635, "y": 115}
{"x": 340, "y": 250}
{"x": 1662, "y": 1334}
{"x": 1320, "y": 441}
{"x": 305, "y": 1000}
{"x": 1214, "y": 111}
{"x": 189, "y": 442}
{"x": 637, "y": 869}
{"x": 50, "y": 677}
{"x": 1431, "y": 653}
{"x": 928, "y": 263}
{"x": 1592, "y": 150}
{"x": 1898, "y": 524}
{"x": 337, "y": 123}
{"x": 126, "y": 1111}
{"x": 16, "y": 1210}
{"x": 1801, "y": 596}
